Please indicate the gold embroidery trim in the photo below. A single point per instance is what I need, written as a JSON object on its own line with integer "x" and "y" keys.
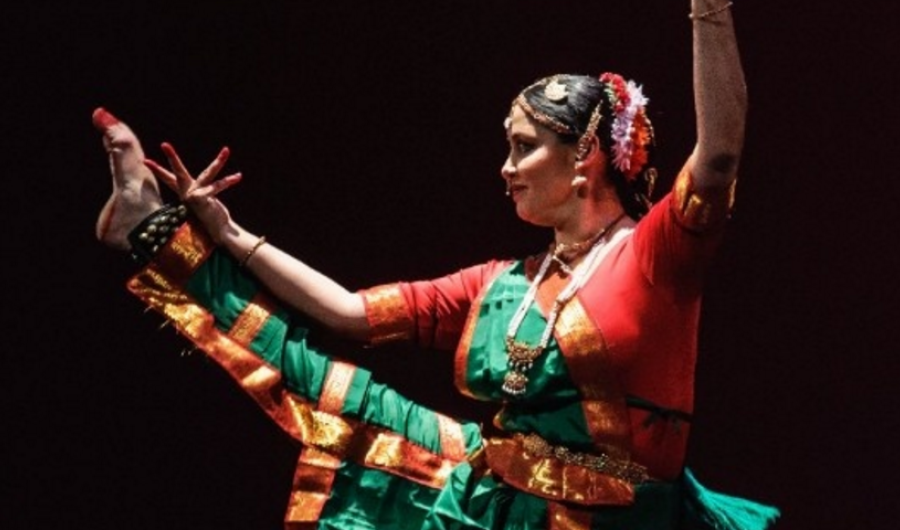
{"x": 461, "y": 358}
{"x": 563, "y": 517}
{"x": 314, "y": 476}
{"x": 584, "y": 348}
{"x": 186, "y": 251}
{"x": 337, "y": 384}
{"x": 337, "y": 436}
{"x": 251, "y": 320}
{"x": 311, "y": 488}
{"x": 388, "y": 314}
{"x": 453, "y": 445}
{"x": 551, "y": 478}
{"x": 700, "y": 209}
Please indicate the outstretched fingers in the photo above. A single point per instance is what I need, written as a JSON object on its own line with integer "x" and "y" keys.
{"x": 163, "y": 174}
{"x": 179, "y": 179}
{"x": 212, "y": 170}
{"x": 183, "y": 178}
{"x": 218, "y": 186}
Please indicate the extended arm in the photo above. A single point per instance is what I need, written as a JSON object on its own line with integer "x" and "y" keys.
{"x": 288, "y": 278}
{"x": 299, "y": 285}
{"x": 720, "y": 95}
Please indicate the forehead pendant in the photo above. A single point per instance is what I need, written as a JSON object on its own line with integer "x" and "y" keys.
{"x": 555, "y": 91}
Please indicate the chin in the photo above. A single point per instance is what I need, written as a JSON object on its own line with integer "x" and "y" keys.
{"x": 531, "y": 217}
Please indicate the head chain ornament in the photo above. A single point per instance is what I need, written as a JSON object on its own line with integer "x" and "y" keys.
{"x": 631, "y": 132}
{"x": 554, "y": 91}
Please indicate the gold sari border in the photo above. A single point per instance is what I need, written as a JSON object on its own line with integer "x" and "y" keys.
{"x": 328, "y": 437}
{"x": 453, "y": 446}
{"x": 315, "y": 473}
{"x": 337, "y": 384}
{"x": 563, "y": 517}
{"x": 251, "y": 320}
{"x": 388, "y": 314}
{"x": 583, "y": 346}
{"x": 461, "y": 358}
{"x": 311, "y": 488}
{"x": 185, "y": 252}
{"x": 552, "y": 479}
{"x": 262, "y": 382}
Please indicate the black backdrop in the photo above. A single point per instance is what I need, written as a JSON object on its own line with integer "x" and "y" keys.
{"x": 370, "y": 138}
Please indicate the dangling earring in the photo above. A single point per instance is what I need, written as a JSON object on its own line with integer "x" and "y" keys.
{"x": 579, "y": 183}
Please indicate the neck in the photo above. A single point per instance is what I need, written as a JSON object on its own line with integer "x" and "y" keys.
{"x": 586, "y": 227}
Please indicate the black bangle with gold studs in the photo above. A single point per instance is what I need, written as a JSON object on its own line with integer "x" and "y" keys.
{"x": 155, "y": 230}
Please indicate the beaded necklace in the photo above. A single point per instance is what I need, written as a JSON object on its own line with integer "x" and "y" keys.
{"x": 520, "y": 355}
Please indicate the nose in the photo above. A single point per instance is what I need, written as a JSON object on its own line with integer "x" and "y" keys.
{"x": 508, "y": 170}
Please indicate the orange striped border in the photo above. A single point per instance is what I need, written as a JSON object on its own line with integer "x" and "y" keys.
{"x": 315, "y": 473}
{"x": 311, "y": 488}
{"x": 562, "y": 517}
{"x": 388, "y": 314}
{"x": 552, "y": 479}
{"x": 328, "y": 437}
{"x": 584, "y": 347}
{"x": 461, "y": 359}
{"x": 453, "y": 446}
{"x": 185, "y": 252}
{"x": 251, "y": 320}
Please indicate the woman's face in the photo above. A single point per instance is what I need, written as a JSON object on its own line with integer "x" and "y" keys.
{"x": 539, "y": 172}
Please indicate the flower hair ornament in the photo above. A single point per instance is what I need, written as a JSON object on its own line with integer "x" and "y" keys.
{"x": 631, "y": 132}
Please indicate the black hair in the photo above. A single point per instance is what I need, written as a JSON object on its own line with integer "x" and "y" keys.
{"x": 583, "y": 94}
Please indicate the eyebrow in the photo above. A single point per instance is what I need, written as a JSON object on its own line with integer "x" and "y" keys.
{"x": 518, "y": 135}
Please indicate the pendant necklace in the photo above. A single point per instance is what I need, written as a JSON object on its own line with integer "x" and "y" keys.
{"x": 521, "y": 356}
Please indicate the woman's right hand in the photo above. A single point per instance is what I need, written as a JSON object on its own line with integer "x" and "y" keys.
{"x": 199, "y": 194}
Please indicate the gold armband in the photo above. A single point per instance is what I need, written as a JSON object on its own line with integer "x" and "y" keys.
{"x": 699, "y": 209}
{"x": 388, "y": 314}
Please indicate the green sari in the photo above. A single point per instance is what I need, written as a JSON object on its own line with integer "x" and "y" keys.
{"x": 371, "y": 458}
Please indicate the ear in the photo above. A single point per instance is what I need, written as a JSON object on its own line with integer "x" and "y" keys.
{"x": 592, "y": 157}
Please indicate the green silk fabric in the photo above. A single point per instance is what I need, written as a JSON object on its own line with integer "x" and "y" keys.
{"x": 551, "y": 405}
{"x": 365, "y": 499}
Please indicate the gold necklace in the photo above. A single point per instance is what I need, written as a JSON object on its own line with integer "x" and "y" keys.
{"x": 565, "y": 253}
{"x": 521, "y": 356}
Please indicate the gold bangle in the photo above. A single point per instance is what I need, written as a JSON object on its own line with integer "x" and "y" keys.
{"x": 711, "y": 12}
{"x": 252, "y": 251}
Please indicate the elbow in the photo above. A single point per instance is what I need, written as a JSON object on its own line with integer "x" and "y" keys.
{"x": 724, "y": 163}
{"x": 349, "y": 318}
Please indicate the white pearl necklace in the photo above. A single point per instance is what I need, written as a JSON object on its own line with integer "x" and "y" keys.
{"x": 521, "y": 356}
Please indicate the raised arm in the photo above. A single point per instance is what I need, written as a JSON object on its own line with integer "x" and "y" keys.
{"x": 720, "y": 95}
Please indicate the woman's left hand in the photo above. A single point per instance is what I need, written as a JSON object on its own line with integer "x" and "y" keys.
{"x": 201, "y": 193}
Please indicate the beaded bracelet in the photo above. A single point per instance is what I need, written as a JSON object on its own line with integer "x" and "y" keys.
{"x": 711, "y": 12}
{"x": 252, "y": 251}
{"x": 155, "y": 230}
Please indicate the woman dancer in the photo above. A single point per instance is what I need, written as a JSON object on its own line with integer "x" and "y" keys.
{"x": 588, "y": 348}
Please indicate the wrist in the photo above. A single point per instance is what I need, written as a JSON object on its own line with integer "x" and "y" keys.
{"x": 707, "y": 9}
{"x": 238, "y": 241}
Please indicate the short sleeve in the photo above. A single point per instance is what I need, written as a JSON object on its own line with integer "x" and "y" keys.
{"x": 430, "y": 312}
{"x": 677, "y": 239}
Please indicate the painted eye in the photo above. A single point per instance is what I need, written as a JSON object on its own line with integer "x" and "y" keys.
{"x": 524, "y": 147}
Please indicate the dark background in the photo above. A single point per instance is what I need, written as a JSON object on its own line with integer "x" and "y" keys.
{"x": 369, "y": 134}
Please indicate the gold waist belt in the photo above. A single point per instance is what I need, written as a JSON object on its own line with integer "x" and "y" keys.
{"x": 530, "y": 463}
